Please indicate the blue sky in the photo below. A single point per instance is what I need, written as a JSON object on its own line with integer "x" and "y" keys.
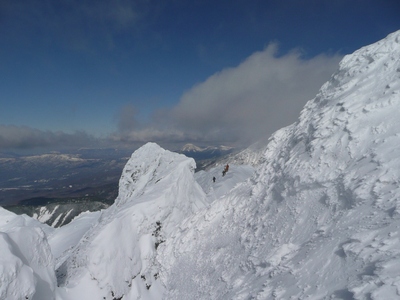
{"x": 99, "y": 73}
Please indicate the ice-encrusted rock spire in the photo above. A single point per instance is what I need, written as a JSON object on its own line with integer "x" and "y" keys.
{"x": 157, "y": 191}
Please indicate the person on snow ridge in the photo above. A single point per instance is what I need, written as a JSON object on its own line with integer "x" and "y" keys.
{"x": 225, "y": 170}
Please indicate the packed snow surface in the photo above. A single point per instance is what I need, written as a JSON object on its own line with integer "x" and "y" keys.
{"x": 312, "y": 214}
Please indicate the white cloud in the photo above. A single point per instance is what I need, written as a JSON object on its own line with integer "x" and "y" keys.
{"x": 236, "y": 105}
{"x": 261, "y": 95}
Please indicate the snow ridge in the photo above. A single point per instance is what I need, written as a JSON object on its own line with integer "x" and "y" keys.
{"x": 320, "y": 219}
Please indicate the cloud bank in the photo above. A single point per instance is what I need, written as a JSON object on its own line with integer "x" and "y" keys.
{"x": 235, "y": 106}
{"x": 242, "y": 104}
{"x": 23, "y": 137}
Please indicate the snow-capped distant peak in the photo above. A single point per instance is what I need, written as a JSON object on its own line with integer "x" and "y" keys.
{"x": 194, "y": 148}
{"x": 225, "y": 148}
{"x": 191, "y": 148}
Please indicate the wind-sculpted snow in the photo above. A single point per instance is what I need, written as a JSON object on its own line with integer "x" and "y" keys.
{"x": 321, "y": 218}
{"x": 116, "y": 257}
{"x": 26, "y": 261}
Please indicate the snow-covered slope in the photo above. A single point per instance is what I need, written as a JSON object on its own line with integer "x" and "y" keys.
{"x": 223, "y": 184}
{"x": 251, "y": 156}
{"x": 321, "y": 218}
{"x": 116, "y": 257}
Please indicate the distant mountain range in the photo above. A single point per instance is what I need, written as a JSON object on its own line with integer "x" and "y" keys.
{"x": 205, "y": 153}
{"x": 60, "y": 176}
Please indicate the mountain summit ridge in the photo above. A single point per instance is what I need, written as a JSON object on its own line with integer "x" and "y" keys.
{"x": 319, "y": 218}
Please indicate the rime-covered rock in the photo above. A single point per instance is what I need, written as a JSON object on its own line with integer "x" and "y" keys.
{"x": 116, "y": 257}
